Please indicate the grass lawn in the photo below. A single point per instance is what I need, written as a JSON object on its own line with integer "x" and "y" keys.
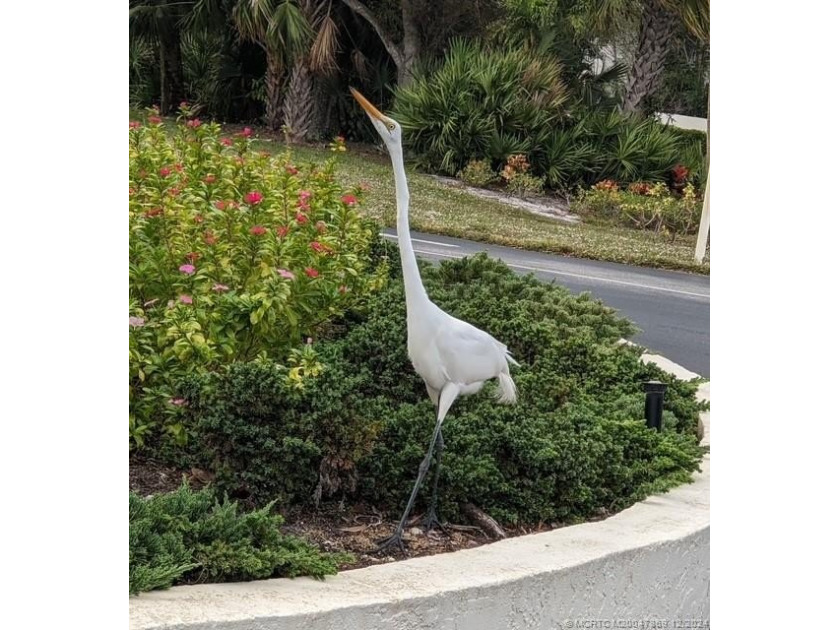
{"x": 438, "y": 209}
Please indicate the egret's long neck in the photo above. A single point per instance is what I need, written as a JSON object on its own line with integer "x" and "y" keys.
{"x": 415, "y": 294}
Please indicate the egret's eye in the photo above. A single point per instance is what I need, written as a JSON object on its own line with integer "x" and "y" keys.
{"x": 391, "y": 126}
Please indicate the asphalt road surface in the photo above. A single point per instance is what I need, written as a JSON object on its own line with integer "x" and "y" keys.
{"x": 671, "y": 307}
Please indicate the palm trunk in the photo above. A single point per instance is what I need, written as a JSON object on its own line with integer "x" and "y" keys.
{"x": 657, "y": 27}
{"x": 171, "y": 68}
{"x": 299, "y": 102}
{"x": 274, "y": 93}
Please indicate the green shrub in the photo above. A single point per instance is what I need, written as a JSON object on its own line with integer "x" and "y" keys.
{"x": 656, "y": 209}
{"x": 575, "y": 442}
{"x": 523, "y": 184}
{"x": 189, "y": 537}
{"x": 233, "y": 255}
{"x": 266, "y": 440}
{"x": 478, "y": 173}
{"x": 693, "y": 144}
{"x": 481, "y": 104}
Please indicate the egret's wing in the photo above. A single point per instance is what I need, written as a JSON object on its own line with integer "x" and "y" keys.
{"x": 468, "y": 354}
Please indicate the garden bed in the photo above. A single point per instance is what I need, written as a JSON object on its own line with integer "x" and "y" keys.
{"x": 332, "y": 528}
{"x": 267, "y": 358}
{"x": 649, "y": 562}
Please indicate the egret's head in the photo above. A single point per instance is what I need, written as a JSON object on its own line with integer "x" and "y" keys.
{"x": 388, "y": 128}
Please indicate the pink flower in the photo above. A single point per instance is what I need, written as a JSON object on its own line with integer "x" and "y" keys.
{"x": 301, "y": 218}
{"x": 321, "y": 227}
{"x": 189, "y": 270}
{"x": 136, "y": 322}
{"x": 257, "y": 230}
{"x": 221, "y": 205}
{"x": 194, "y": 123}
{"x": 193, "y": 256}
{"x": 246, "y": 133}
{"x": 320, "y": 247}
{"x": 179, "y": 167}
{"x": 164, "y": 172}
{"x": 349, "y": 200}
{"x": 220, "y": 288}
{"x": 153, "y": 213}
{"x": 291, "y": 170}
{"x": 253, "y": 198}
{"x": 304, "y": 207}
{"x": 133, "y": 124}
{"x": 185, "y": 299}
{"x": 174, "y": 191}
{"x": 154, "y": 120}
{"x": 282, "y": 231}
{"x": 285, "y": 273}
{"x": 178, "y": 402}
{"x": 209, "y": 179}
{"x": 198, "y": 218}
{"x": 303, "y": 195}
{"x": 225, "y": 142}
{"x": 184, "y": 105}
{"x": 209, "y": 238}
{"x": 312, "y": 273}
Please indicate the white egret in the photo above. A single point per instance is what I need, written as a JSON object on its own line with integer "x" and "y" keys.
{"x": 452, "y": 357}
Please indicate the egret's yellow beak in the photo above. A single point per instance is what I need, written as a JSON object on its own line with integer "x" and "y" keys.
{"x": 367, "y": 105}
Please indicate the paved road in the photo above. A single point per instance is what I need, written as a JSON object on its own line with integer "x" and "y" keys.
{"x": 671, "y": 307}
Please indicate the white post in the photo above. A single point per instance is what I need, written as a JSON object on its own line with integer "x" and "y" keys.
{"x": 703, "y": 234}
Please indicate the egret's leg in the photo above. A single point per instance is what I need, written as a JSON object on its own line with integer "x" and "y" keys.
{"x": 431, "y": 521}
{"x": 447, "y": 396}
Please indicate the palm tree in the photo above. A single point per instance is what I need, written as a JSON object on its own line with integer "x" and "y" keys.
{"x": 300, "y": 98}
{"x": 655, "y": 21}
{"x": 281, "y": 29}
{"x": 162, "y": 21}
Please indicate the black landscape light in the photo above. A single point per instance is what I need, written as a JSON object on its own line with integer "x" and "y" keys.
{"x": 654, "y": 399}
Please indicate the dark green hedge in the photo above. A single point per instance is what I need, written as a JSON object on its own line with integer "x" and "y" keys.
{"x": 573, "y": 445}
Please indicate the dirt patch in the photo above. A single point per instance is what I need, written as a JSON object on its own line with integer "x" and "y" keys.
{"x": 147, "y": 477}
{"x": 332, "y": 528}
{"x": 552, "y": 208}
{"x": 356, "y": 528}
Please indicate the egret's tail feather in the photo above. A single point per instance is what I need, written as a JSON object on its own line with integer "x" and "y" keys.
{"x": 507, "y": 389}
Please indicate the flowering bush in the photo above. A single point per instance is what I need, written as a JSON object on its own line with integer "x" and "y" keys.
{"x": 642, "y": 205}
{"x": 233, "y": 254}
{"x": 478, "y": 173}
{"x": 517, "y": 177}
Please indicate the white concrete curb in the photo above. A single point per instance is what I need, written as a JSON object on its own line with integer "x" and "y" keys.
{"x": 649, "y": 562}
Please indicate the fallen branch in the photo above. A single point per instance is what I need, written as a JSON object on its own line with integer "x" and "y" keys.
{"x": 486, "y": 522}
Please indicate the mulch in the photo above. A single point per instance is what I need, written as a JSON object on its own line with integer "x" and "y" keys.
{"x": 336, "y": 527}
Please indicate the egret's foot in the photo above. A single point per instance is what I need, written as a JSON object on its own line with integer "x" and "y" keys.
{"x": 393, "y": 541}
{"x": 431, "y": 522}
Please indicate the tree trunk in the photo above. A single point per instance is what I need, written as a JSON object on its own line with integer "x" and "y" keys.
{"x": 171, "y": 68}
{"x": 299, "y": 102}
{"x": 406, "y": 55}
{"x": 411, "y": 44}
{"x": 274, "y": 93}
{"x": 658, "y": 25}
